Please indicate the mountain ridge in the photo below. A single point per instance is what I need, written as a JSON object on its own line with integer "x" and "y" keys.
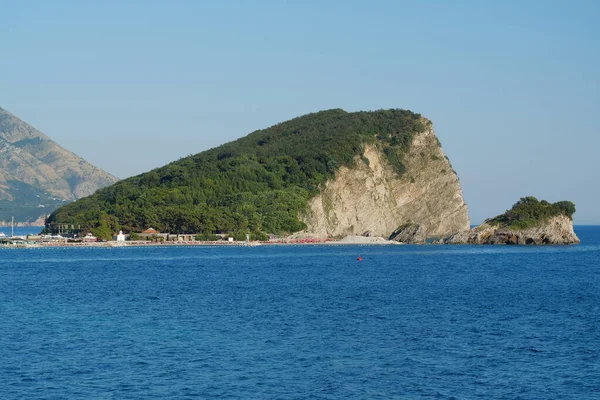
{"x": 37, "y": 175}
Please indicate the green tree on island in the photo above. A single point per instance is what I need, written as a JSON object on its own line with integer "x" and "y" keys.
{"x": 529, "y": 212}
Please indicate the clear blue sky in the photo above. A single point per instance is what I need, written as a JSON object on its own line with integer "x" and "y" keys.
{"x": 512, "y": 87}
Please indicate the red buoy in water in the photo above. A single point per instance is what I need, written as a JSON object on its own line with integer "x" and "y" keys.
{"x": 359, "y": 258}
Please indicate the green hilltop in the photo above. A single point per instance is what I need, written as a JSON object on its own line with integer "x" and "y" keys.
{"x": 529, "y": 212}
{"x": 258, "y": 184}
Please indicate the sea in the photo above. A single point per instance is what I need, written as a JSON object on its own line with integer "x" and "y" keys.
{"x": 21, "y": 230}
{"x": 302, "y": 322}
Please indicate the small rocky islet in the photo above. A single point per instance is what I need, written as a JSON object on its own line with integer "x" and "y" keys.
{"x": 528, "y": 222}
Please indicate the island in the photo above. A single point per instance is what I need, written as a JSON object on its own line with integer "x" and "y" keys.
{"x": 325, "y": 175}
{"x": 320, "y": 177}
{"x": 529, "y": 221}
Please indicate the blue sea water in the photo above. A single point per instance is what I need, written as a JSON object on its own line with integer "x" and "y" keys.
{"x": 313, "y": 322}
{"x": 21, "y": 230}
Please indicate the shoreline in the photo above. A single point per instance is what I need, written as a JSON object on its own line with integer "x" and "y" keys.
{"x": 346, "y": 241}
{"x": 115, "y": 244}
{"x": 23, "y": 242}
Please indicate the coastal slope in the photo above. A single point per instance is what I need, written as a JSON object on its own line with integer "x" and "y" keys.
{"x": 37, "y": 175}
{"x": 327, "y": 174}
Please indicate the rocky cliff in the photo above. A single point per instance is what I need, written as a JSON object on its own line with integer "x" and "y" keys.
{"x": 370, "y": 198}
{"x": 556, "y": 230}
{"x": 37, "y": 175}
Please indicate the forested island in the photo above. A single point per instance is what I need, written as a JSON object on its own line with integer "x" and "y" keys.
{"x": 257, "y": 184}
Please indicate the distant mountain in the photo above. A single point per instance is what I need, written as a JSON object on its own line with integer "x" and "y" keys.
{"x": 37, "y": 175}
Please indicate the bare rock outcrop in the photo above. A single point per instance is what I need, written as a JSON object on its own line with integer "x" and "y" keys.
{"x": 556, "y": 230}
{"x": 371, "y": 196}
{"x": 409, "y": 233}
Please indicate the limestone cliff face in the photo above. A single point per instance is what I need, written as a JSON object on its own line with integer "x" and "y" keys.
{"x": 557, "y": 230}
{"x": 371, "y": 197}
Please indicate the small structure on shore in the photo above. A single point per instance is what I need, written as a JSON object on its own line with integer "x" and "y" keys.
{"x": 181, "y": 237}
{"x": 153, "y": 234}
{"x": 89, "y": 238}
{"x": 13, "y": 241}
{"x": 120, "y": 237}
{"x": 149, "y": 233}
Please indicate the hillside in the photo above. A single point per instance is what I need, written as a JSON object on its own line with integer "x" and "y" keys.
{"x": 263, "y": 182}
{"x": 37, "y": 175}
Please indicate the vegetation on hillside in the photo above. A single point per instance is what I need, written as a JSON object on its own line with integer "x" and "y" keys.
{"x": 256, "y": 184}
{"x": 529, "y": 212}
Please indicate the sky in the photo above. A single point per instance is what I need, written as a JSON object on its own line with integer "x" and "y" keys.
{"x": 512, "y": 87}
